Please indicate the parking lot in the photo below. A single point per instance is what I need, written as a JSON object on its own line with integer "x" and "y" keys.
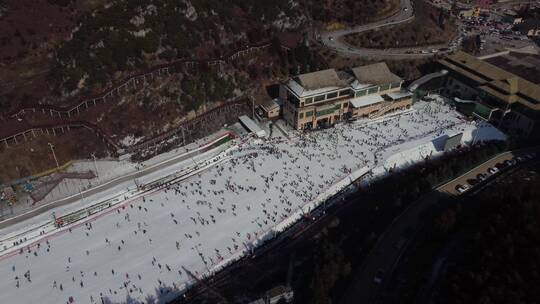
{"x": 493, "y": 167}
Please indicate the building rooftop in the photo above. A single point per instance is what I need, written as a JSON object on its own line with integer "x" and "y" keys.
{"x": 358, "y": 86}
{"x": 320, "y": 79}
{"x": 324, "y": 81}
{"x": 377, "y": 73}
{"x": 252, "y": 126}
{"x": 270, "y": 104}
{"x": 494, "y": 80}
{"x": 526, "y": 66}
{"x": 303, "y": 92}
{"x": 398, "y": 95}
{"x": 366, "y": 100}
{"x": 316, "y": 83}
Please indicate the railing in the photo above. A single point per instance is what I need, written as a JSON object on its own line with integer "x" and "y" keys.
{"x": 182, "y": 127}
{"x": 162, "y": 68}
{"x": 44, "y": 128}
{"x": 63, "y": 111}
{"x": 382, "y": 110}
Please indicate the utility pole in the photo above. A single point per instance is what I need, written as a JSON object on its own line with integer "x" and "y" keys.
{"x": 252, "y": 106}
{"x": 193, "y": 160}
{"x": 95, "y": 166}
{"x": 81, "y": 193}
{"x": 54, "y": 155}
{"x": 183, "y": 136}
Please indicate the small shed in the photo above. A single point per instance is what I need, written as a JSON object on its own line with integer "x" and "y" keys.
{"x": 271, "y": 108}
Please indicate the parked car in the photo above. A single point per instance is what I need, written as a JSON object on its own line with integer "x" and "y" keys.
{"x": 462, "y": 188}
{"x": 493, "y": 170}
{"x": 481, "y": 177}
{"x": 379, "y": 276}
{"x": 510, "y": 162}
{"x": 501, "y": 166}
{"x": 472, "y": 181}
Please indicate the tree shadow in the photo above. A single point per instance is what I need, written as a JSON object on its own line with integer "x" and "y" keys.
{"x": 163, "y": 294}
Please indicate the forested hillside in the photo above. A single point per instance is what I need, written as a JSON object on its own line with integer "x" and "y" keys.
{"x": 501, "y": 251}
{"x": 130, "y": 35}
{"x": 60, "y": 52}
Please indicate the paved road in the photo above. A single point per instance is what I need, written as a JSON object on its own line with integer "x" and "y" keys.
{"x": 101, "y": 188}
{"x": 447, "y": 4}
{"x": 386, "y": 253}
{"x": 334, "y": 40}
{"x": 403, "y": 15}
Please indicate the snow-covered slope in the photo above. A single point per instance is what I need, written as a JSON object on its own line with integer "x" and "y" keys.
{"x": 201, "y": 223}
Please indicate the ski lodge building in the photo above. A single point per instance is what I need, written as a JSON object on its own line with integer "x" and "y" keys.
{"x": 497, "y": 88}
{"x": 320, "y": 99}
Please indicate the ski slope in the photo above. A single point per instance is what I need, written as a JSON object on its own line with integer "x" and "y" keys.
{"x": 137, "y": 252}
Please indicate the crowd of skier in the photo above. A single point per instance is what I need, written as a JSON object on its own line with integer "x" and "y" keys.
{"x": 224, "y": 210}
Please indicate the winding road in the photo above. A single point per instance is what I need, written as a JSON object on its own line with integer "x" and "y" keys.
{"x": 334, "y": 40}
